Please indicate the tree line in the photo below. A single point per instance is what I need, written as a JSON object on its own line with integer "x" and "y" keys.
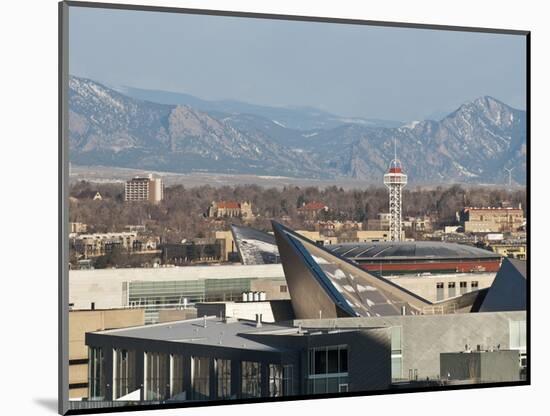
{"x": 182, "y": 213}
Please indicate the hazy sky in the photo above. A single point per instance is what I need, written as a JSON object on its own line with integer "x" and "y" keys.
{"x": 363, "y": 71}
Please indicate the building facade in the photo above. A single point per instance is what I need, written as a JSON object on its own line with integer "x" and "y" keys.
{"x": 97, "y": 244}
{"x": 77, "y": 227}
{"x": 169, "y": 288}
{"x": 144, "y": 189}
{"x": 311, "y": 210}
{"x": 82, "y": 321}
{"x": 490, "y": 220}
{"x": 249, "y": 360}
{"x": 229, "y": 209}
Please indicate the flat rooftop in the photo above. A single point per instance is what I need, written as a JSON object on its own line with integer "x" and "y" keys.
{"x": 216, "y": 332}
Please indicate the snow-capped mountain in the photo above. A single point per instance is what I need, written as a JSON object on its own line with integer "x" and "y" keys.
{"x": 109, "y": 128}
{"x": 472, "y": 144}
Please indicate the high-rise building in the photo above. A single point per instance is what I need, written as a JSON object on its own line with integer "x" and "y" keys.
{"x": 395, "y": 180}
{"x": 146, "y": 188}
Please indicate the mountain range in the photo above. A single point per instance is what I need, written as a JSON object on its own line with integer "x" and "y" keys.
{"x": 125, "y": 127}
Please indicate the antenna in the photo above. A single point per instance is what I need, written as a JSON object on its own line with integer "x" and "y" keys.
{"x": 394, "y": 148}
{"x": 509, "y": 175}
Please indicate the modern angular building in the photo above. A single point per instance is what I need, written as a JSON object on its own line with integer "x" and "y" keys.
{"x": 434, "y": 271}
{"x": 350, "y": 331}
{"x": 381, "y": 257}
{"x": 255, "y": 247}
{"x": 215, "y": 359}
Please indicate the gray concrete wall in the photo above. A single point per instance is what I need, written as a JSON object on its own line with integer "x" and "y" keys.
{"x": 425, "y": 337}
{"x": 481, "y": 367}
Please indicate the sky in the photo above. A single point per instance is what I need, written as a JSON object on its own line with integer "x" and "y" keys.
{"x": 349, "y": 70}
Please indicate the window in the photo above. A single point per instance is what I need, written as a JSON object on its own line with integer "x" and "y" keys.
{"x": 287, "y": 380}
{"x": 328, "y": 368}
{"x": 452, "y": 289}
{"x": 223, "y": 378}
{"x": 319, "y": 361}
{"x": 124, "y": 380}
{"x": 157, "y": 381}
{"x": 396, "y": 354}
{"x": 283, "y": 288}
{"x": 200, "y": 378}
{"x": 96, "y": 374}
{"x": 440, "y": 288}
{"x": 250, "y": 379}
{"x": 463, "y": 287}
{"x": 275, "y": 380}
{"x": 176, "y": 385}
{"x": 474, "y": 284}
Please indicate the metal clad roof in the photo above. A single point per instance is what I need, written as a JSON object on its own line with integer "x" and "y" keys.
{"x": 409, "y": 249}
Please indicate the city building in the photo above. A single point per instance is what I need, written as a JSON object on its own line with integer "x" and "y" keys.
{"x": 351, "y": 331}
{"x": 406, "y": 257}
{"x": 380, "y": 223}
{"x": 372, "y": 251}
{"x": 144, "y": 189}
{"x": 229, "y": 249}
{"x": 318, "y": 237}
{"x": 77, "y": 227}
{"x": 442, "y": 286}
{"x": 491, "y": 219}
{"x": 364, "y": 236}
{"x": 218, "y": 247}
{"x": 421, "y": 224}
{"x": 325, "y": 227}
{"x": 172, "y": 288}
{"x": 214, "y": 358}
{"x": 200, "y": 250}
{"x": 98, "y": 244}
{"x": 270, "y": 310}
{"x": 221, "y": 209}
{"x": 513, "y": 249}
{"x": 97, "y": 197}
{"x": 323, "y": 284}
{"x": 82, "y": 321}
{"x": 311, "y": 210}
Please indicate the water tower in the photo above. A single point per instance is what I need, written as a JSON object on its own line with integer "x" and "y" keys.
{"x": 395, "y": 180}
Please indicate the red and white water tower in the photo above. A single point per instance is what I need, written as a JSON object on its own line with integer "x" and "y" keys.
{"x": 395, "y": 180}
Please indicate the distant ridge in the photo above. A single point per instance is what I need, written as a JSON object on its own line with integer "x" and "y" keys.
{"x": 472, "y": 144}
